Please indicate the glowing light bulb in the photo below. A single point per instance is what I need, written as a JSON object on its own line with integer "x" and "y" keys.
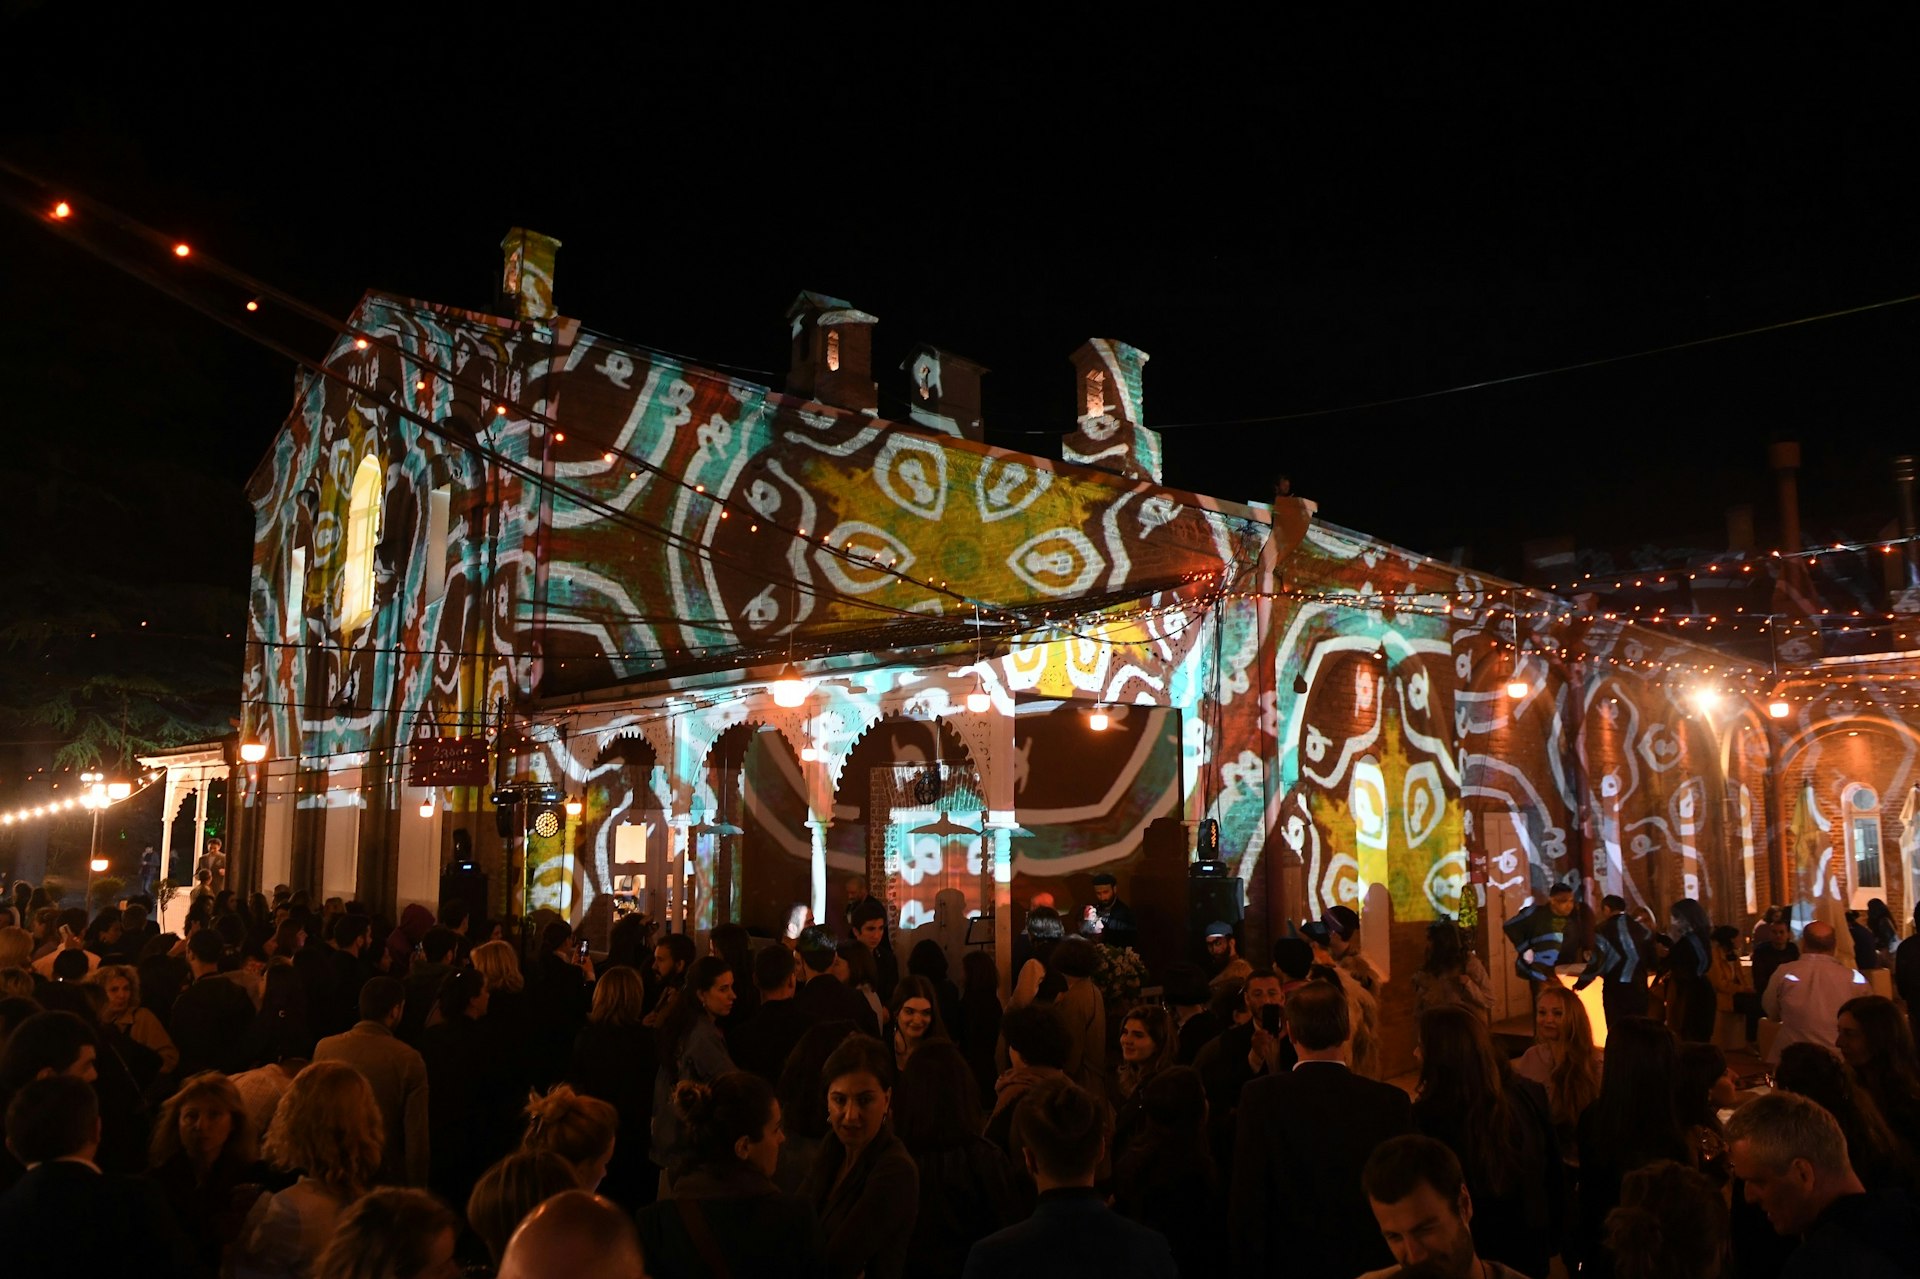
{"x": 1518, "y": 688}
{"x": 789, "y": 690}
{"x": 574, "y": 806}
{"x": 97, "y": 865}
{"x": 63, "y": 210}
{"x": 253, "y": 304}
{"x": 808, "y": 754}
{"x": 426, "y": 806}
{"x": 1706, "y": 698}
{"x": 182, "y": 250}
{"x": 252, "y": 752}
{"x": 359, "y": 344}
{"x": 1779, "y": 709}
{"x": 1098, "y": 721}
{"x": 978, "y": 702}
{"x": 117, "y": 791}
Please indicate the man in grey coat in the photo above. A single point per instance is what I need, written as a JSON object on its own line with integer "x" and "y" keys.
{"x": 397, "y": 1073}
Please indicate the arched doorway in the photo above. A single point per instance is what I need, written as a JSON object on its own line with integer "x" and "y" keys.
{"x": 626, "y": 865}
{"x": 905, "y": 818}
{"x": 752, "y": 853}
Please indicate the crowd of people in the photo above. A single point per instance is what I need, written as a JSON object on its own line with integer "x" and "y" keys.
{"x": 285, "y": 1088}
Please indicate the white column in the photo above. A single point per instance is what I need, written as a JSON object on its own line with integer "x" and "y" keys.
{"x": 819, "y": 825}
{"x": 168, "y": 813}
{"x": 996, "y": 781}
{"x": 679, "y": 846}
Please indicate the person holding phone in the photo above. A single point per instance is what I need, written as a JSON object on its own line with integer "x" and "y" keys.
{"x": 1248, "y": 1050}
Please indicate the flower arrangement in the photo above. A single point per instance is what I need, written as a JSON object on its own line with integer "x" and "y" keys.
{"x": 1120, "y": 974}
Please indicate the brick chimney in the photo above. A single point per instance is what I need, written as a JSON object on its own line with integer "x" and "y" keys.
{"x": 528, "y": 279}
{"x": 944, "y": 394}
{"x": 1111, "y": 433}
{"x": 832, "y": 354}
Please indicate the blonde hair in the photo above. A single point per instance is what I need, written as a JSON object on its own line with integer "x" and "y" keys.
{"x": 572, "y": 1125}
{"x": 496, "y": 962}
{"x": 388, "y": 1234}
{"x": 619, "y": 998}
{"x": 328, "y": 1126}
{"x": 120, "y": 972}
{"x": 511, "y": 1189}
{"x": 1573, "y": 1084}
{"x": 16, "y": 947}
{"x": 16, "y": 983}
{"x": 212, "y": 1086}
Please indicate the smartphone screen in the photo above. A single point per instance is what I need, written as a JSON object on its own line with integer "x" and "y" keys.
{"x": 1270, "y": 1018}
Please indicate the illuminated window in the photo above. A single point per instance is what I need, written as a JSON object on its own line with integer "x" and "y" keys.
{"x": 1863, "y": 836}
{"x": 363, "y": 531}
{"x": 1096, "y": 392}
{"x": 833, "y": 350}
{"x": 296, "y": 600}
{"x": 439, "y": 516}
{"x": 924, "y": 379}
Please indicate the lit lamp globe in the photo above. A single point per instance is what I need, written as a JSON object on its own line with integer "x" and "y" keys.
{"x": 1098, "y": 721}
{"x": 98, "y": 865}
{"x": 117, "y": 791}
{"x": 252, "y": 752}
{"x": 426, "y": 807}
{"x": 789, "y": 690}
{"x": 1518, "y": 688}
{"x": 574, "y": 806}
{"x": 1779, "y": 709}
{"x": 978, "y": 702}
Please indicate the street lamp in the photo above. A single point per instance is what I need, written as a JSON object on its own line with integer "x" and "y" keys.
{"x": 95, "y": 796}
{"x": 252, "y": 752}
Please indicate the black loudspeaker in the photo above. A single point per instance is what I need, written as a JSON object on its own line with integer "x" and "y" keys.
{"x": 506, "y": 811}
{"x": 469, "y": 886}
{"x": 1214, "y": 897}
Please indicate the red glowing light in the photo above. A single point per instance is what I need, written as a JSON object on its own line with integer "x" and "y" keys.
{"x": 63, "y": 210}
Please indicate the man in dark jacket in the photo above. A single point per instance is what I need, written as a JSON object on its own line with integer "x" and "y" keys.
{"x": 211, "y": 1016}
{"x": 826, "y": 996}
{"x": 763, "y": 1043}
{"x": 424, "y": 976}
{"x": 1115, "y": 917}
{"x": 65, "y": 1215}
{"x": 1063, "y": 1138}
{"x": 869, "y": 920}
{"x": 1252, "y": 1050}
{"x": 1622, "y": 948}
{"x": 350, "y": 937}
{"x": 1296, "y": 1205}
{"x": 1792, "y": 1157}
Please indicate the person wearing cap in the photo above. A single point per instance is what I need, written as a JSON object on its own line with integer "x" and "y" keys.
{"x": 1223, "y": 955}
{"x": 1187, "y": 996}
{"x": 1110, "y": 920}
{"x": 1547, "y": 934}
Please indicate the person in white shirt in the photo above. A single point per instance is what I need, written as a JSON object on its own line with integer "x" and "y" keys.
{"x": 1804, "y": 996}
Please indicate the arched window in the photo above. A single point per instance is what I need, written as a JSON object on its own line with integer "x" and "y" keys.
{"x": 1096, "y": 392}
{"x": 1862, "y": 807}
{"x": 833, "y": 350}
{"x": 363, "y": 532}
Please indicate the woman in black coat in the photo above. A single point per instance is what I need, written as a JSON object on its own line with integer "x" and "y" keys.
{"x": 926, "y": 959}
{"x": 1167, "y": 1180}
{"x": 1687, "y": 969}
{"x": 966, "y": 1184}
{"x": 863, "y": 1184}
{"x": 980, "y": 1014}
{"x": 725, "y": 1215}
{"x": 613, "y": 1059}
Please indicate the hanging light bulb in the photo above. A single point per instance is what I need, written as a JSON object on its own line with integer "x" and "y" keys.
{"x": 426, "y": 806}
{"x": 1779, "y": 709}
{"x": 978, "y": 701}
{"x": 252, "y": 752}
{"x": 789, "y": 690}
{"x": 1518, "y": 688}
{"x": 808, "y": 754}
{"x": 1098, "y": 720}
{"x": 574, "y": 806}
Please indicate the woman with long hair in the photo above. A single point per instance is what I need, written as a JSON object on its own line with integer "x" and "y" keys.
{"x": 1703, "y": 1088}
{"x": 863, "y": 1184}
{"x": 966, "y": 1184}
{"x": 1879, "y": 1155}
{"x": 1563, "y": 1060}
{"x": 512, "y": 1029}
{"x": 803, "y": 1104}
{"x": 1501, "y": 1127}
{"x": 392, "y": 1233}
{"x": 914, "y": 1018}
{"x": 727, "y": 1216}
{"x": 1632, "y": 1123}
{"x": 927, "y": 959}
{"x": 1877, "y": 1042}
{"x": 1148, "y": 1046}
{"x": 1689, "y": 966}
{"x": 203, "y": 1150}
{"x": 1451, "y": 973}
{"x": 689, "y": 1046}
{"x": 864, "y": 976}
{"x": 1035, "y": 979}
{"x": 328, "y": 1130}
{"x": 613, "y": 1059}
{"x": 733, "y": 943}
{"x": 124, "y": 1016}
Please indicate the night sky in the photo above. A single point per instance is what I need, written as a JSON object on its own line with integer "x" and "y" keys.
{"x": 1288, "y": 219}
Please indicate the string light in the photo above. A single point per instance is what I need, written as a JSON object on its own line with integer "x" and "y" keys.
{"x": 182, "y": 250}
{"x": 62, "y": 210}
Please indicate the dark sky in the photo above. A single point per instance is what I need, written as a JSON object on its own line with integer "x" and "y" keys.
{"x": 1286, "y": 218}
